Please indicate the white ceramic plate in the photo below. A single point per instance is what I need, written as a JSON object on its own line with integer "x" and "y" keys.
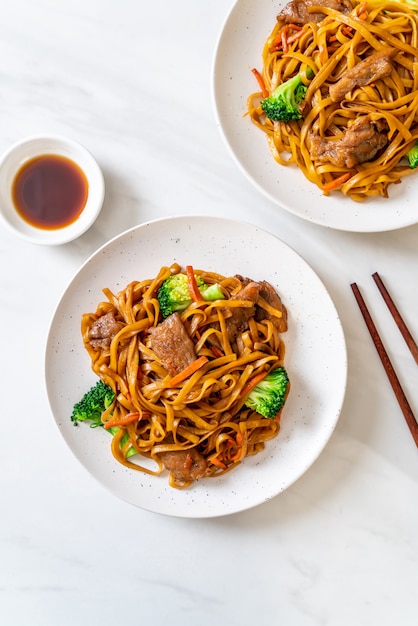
{"x": 314, "y": 343}
{"x": 238, "y": 50}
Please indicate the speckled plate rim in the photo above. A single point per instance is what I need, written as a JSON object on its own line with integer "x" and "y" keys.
{"x": 229, "y": 247}
{"x": 238, "y": 49}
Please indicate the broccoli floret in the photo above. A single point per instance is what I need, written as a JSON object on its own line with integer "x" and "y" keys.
{"x": 283, "y": 104}
{"x": 174, "y": 295}
{"x": 91, "y": 406}
{"x": 268, "y": 397}
{"x": 412, "y": 156}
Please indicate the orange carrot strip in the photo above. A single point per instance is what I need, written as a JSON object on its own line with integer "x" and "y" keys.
{"x": 216, "y": 351}
{"x": 284, "y": 38}
{"x": 362, "y": 12}
{"x": 188, "y": 371}
{"x": 336, "y": 182}
{"x": 261, "y": 82}
{"x": 217, "y": 462}
{"x": 252, "y": 383}
{"x": 123, "y": 421}
{"x": 295, "y": 36}
{"x": 192, "y": 284}
{"x": 276, "y": 43}
{"x": 238, "y": 442}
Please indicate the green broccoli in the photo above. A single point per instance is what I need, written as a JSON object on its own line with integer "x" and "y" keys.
{"x": 174, "y": 295}
{"x": 91, "y": 406}
{"x": 412, "y": 156}
{"x": 268, "y": 397}
{"x": 283, "y": 104}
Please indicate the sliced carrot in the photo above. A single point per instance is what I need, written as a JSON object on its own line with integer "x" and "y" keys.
{"x": 217, "y": 462}
{"x": 362, "y": 12}
{"x": 188, "y": 371}
{"x": 295, "y": 36}
{"x": 239, "y": 443}
{"x": 276, "y": 44}
{"x": 252, "y": 383}
{"x": 124, "y": 421}
{"x": 284, "y": 38}
{"x": 261, "y": 82}
{"x": 192, "y": 284}
{"x": 336, "y": 182}
{"x": 216, "y": 351}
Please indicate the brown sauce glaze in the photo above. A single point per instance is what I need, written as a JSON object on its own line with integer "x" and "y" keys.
{"x": 50, "y": 191}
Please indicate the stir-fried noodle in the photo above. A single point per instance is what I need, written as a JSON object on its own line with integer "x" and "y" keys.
{"x": 353, "y": 134}
{"x": 198, "y": 411}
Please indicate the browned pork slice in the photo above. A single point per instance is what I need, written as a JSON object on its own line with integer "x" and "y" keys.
{"x": 360, "y": 143}
{"x": 297, "y": 11}
{"x": 103, "y": 330}
{"x": 239, "y": 316}
{"x": 184, "y": 465}
{"x": 269, "y": 294}
{"x": 373, "y": 67}
{"x": 172, "y": 345}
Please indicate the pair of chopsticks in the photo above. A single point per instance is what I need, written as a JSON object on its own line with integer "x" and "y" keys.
{"x": 384, "y": 357}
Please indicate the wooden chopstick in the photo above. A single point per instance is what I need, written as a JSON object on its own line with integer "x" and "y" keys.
{"x": 410, "y": 342}
{"x": 389, "y": 369}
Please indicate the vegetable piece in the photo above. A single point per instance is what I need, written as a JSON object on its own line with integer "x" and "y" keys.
{"x": 269, "y": 395}
{"x": 174, "y": 294}
{"x": 336, "y": 182}
{"x": 131, "y": 450}
{"x": 91, "y": 406}
{"x": 123, "y": 421}
{"x": 192, "y": 284}
{"x": 261, "y": 83}
{"x": 412, "y": 156}
{"x": 283, "y": 104}
{"x": 253, "y": 382}
{"x": 188, "y": 371}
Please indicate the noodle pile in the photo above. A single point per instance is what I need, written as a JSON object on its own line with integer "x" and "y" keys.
{"x": 204, "y": 412}
{"x": 330, "y": 48}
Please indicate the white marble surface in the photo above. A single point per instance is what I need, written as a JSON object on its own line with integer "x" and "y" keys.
{"x": 132, "y": 82}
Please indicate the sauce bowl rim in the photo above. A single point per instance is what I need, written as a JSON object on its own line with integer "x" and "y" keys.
{"x": 30, "y": 147}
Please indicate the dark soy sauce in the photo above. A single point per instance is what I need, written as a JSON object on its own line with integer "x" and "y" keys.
{"x": 50, "y": 191}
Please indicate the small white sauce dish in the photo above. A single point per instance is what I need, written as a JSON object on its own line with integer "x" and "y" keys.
{"x": 21, "y": 154}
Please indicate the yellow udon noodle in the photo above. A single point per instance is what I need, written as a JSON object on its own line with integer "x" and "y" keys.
{"x": 329, "y": 48}
{"x": 206, "y": 410}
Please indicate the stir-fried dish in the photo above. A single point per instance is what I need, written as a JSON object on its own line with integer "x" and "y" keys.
{"x": 338, "y": 93}
{"x": 190, "y": 368}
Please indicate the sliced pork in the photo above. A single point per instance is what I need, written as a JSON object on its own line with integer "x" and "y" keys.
{"x": 103, "y": 330}
{"x": 361, "y": 142}
{"x": 239, "y": 316}
{"x": 268, "y": 293}
{"x": 184, "y": 465}
{"x": 297, "y": 11}
{"x": 172, "y": 344}
{"x": 373, "y": 67}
